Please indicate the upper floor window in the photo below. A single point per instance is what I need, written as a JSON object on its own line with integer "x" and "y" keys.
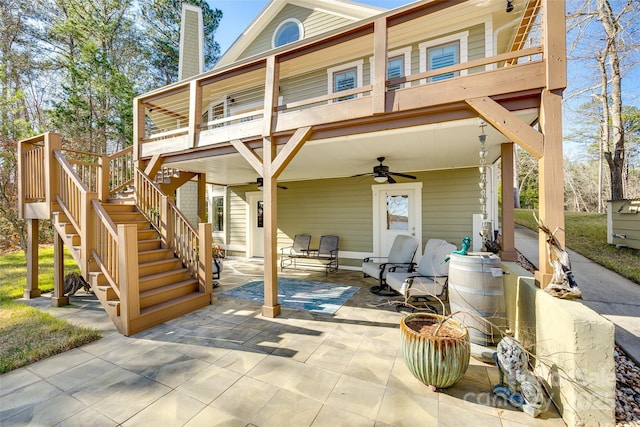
{"x": 398, "y": 65}
{"x": 345, "y": 77}
{"x": 444, "y": 52}
{"x": 441, "y": 57}
{"x": 289, "y": 31}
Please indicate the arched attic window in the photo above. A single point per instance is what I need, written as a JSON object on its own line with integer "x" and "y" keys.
{"x": 289, "y": 31}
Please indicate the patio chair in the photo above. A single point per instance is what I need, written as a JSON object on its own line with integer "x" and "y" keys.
{"x": 299, "y": 249}
{"x": 327, "y": 252}
{"x": 400, "y": 256}
{"x": 429, "y": 283}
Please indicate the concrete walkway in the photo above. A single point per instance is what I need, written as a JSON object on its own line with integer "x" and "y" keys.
{"x": 605, "y": 292}
{"x": 226, "y": 365}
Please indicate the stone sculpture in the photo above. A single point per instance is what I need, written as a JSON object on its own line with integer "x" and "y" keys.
{"x": 523, "y": 390}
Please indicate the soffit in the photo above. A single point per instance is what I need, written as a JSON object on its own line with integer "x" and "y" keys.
{"x": 450, "y": 145}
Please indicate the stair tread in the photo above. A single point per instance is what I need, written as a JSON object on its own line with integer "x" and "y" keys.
{"x": 165, "y": 288}
{"x": 163, "y": 274}
{"x": 163, "y": 305}
{"x": 158, "y": 262}
{"x": 149, "y": 251}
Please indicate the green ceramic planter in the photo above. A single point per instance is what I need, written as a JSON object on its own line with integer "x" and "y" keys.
{"x": 436, "y": 361}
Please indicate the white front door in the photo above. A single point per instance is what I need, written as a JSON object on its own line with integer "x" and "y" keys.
{"x": 255, "y": 232}
{"x": 397, "y": 209}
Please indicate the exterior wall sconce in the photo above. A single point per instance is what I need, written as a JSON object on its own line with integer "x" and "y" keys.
{"x": 509, "y": 6}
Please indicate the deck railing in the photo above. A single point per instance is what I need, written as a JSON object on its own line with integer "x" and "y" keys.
{"x": 120, "y": 170}
{"x": 33, "y": 159}
{"x": 233, "y": 102}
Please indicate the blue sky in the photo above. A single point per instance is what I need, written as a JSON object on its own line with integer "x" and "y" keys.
{"x": 237, "y": 14}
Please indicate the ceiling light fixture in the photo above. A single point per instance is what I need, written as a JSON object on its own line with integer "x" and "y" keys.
{"x": 380, "y": 179}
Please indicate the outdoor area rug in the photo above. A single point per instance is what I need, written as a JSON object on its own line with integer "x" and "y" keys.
{"x": 319, "y": 297}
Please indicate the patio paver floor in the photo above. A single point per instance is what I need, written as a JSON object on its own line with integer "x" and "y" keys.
{"x": 227, "y": 365}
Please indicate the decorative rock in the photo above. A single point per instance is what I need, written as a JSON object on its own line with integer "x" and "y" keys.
{"x": 627, "y": 391}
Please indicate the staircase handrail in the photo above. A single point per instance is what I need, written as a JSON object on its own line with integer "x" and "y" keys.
{"x": 75, "y": 198}
{"x": 105, "y": 174}
{"x": 185, "y": 239}
{"x": 71, "y": 190}
{"x": 176, "y": 231}
{"x": 106, "y": 251}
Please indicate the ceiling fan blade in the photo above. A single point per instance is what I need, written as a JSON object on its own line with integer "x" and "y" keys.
{"x": 362, "y": 174}
{"x": 404, "y": 175}
{"x": 390, "y": 179}
{"x": 282, "y": 187}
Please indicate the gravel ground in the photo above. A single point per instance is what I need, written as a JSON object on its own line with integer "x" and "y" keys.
{"x": 627, "y": 390}
{"x": 627, "y": 378}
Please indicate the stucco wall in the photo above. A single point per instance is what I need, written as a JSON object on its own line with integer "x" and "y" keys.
{"x": 573, "y": 346}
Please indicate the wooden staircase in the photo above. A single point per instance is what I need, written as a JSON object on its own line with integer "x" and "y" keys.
{"x": 141, "y": 257}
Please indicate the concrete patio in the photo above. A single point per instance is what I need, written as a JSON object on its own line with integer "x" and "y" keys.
{"x": 226, "y": 365}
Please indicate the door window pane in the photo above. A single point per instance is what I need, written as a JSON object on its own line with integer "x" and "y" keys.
{"x": 260, "y": 209}
{"x": 398, "y": 212}
{"x": 218, "y": 214}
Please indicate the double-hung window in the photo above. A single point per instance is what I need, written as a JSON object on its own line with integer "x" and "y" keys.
{"x": 442, "y": 53}
{"x": 345, "y": 77}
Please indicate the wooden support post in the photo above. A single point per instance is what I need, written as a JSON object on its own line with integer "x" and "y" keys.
{"x": 551, "y": 174}
{"x": 53, "y": 142}
{"x": 87, "y": 232}
{"x": 205, "y": 260}
{"x": 32, "y": 290}
{"x": 103, "y": 178}
{"x": 59, "y": 298}
{"x": 128, "y": 270}
{"x": 195, "y": 112}
{"x": 508, "y": 218}
{"x": 166, "y": 224}
{"x": 202, "y": 196}
{"x": 550, "y": 181}
{"x": 138, "y": 127}
{"x": 271, "y": 308}
{"x": 379, "y": 66}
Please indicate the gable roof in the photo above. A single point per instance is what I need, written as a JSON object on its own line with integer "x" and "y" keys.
{"x": 344, "y": 9}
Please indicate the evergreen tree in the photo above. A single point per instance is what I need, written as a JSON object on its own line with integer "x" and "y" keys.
{"x": 162, "y": 29}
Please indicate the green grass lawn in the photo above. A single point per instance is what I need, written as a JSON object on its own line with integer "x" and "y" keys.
{"x": 586, "y": 233}
{"x": 27, "y": 334}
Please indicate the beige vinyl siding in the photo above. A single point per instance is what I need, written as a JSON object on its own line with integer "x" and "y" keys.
{"x": 315, "y": 83}
{"x": 449, "y": 200}
{"x": 339, "y": 207}
{"x": 624, "y": 218}
{"x": 237, "y": 219}
{"x": 476, "y": 46}
{"x": 344, "y": 207}
{"x": 247, "y": 99}
{"x": 314, "y": 23}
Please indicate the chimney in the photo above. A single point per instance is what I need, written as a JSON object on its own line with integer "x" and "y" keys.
{"x": 191, "y": 42}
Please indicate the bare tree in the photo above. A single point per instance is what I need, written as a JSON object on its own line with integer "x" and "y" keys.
{"x": 608, "y": 36}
